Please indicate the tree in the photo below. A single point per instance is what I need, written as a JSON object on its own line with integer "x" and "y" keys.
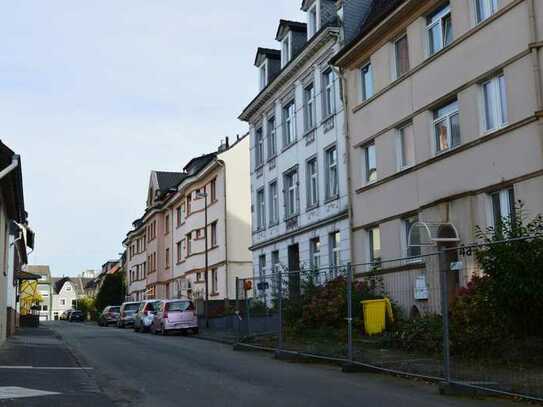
{"x": 112, "y": 291}
{"x": 87, "y": 305}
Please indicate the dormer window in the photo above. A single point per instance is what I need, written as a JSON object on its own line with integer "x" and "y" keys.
{"x": 286, "y": 50}
{"x": 263, "y": 75}
{"x": 312, "y": 20}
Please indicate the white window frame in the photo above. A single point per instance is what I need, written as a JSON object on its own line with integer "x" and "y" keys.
{"x": 259, "y": 147}
{"x": 312, "y": 179}
{"x": 366, "y": 78}
{"x": 313, "y": 27}
{"x": 260, "y": 209}
{"x": 371, "y": 249}
{"x": 506, "y": 206}
{"x": 488, "y": 8}
{"x": 291, "y": 193}
{"x": 286, "y": 49}
{"x": 315, "y": 253}
{"x": 272, "y": 137}
{"x": 273, "y": 188}
{"x": 368, "y": 170}
{"x": 400, "y": 147}
{"x": 498, "y": 96}
{"x": 447, "y": 119}
{"x": 438, "y": 20}
{"x": 410, "y": 220}
{"x": 328, "y": 92}
{"x": 310, "y": 112}
{"x": 334, "y": 252}
{"x": 331, "y": 174}
{"x": 214, "y": 280}
{"x": 397, "y": 74}
{"x": 263, "y": 74}
{"x": 289, "y": 123}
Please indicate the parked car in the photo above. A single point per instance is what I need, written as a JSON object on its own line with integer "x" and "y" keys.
{"x": 76, "y": 316}
{"x": 175, "y": 315}
{"x": 145, "y": 315}
{"x": 126, "y": 314}
{"x": 110, "y": 315}
{"x": 65, "y": 316}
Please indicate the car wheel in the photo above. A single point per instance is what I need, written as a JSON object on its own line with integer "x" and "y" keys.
{"x": 195, "y": 331}
{"x": 136, "y": 328}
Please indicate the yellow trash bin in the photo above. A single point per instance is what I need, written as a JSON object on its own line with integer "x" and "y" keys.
{"x": 374, "y": 315}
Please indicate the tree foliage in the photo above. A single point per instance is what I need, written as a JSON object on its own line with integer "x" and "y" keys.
{"x": 112, "y": 291}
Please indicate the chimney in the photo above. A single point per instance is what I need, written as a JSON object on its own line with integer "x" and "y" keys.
{"x": 227, "y": 143}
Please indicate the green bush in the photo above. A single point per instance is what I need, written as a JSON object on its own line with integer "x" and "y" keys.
{"x": 422, "y": 334}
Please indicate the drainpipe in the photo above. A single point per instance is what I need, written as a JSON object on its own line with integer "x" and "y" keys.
{"x": 226, "y": 298}
{"x": 14, "y": 164}
{"x": 534, "y": 47}
{"x": 340, "y": 75}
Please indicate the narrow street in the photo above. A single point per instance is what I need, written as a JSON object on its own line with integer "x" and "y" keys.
{"x": 110, "y": 366}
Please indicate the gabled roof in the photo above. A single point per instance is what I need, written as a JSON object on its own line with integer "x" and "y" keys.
{"x": 269, "y": 53}
{"x": 167, "y": 180}
{"x": 287, "y": 25}
{"x": 79, "y": 283}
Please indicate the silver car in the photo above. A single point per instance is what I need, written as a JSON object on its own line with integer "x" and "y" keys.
{"x": 145, "y": 315}
{"x": 127, "y": 313}
{"x": 175, "y": 315}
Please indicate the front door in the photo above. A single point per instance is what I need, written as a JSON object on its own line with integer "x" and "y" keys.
{"x": 294, "y": 271}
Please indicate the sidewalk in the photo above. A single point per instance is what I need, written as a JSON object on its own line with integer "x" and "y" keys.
{"x": 38, "y": 369}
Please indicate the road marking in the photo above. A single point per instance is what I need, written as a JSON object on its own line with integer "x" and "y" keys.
{"x": 46, "y": 367}
{"x": 12, "y": 392}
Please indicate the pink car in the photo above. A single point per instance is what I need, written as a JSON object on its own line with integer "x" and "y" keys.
{"x": 175, "y": 315}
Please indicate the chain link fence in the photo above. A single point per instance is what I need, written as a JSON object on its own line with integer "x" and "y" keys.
{"x": 436, "y": 315}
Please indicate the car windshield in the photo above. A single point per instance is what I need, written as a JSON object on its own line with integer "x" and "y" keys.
{"x": 152, "y": 306}
{"x": 115, "y": 309}
{"x": 131, "y": 307}
{"x": 180, "y": 306}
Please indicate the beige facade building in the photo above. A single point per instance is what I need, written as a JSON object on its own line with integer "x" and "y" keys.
{"x": 166, "y": 249}
{"x": 444, "y": 109}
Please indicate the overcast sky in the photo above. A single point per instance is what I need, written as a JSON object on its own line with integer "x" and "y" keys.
{"x": 95, "y": 94}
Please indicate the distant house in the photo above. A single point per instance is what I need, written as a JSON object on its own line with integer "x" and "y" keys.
{"x": 45, "y": 290}
{"x": 66, "y": 293}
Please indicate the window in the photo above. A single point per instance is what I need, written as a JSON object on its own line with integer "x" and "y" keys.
{"x": 405, "y": 147}
{"x": 291, "y": 193}
{"x": 370, "y": 163}
{"x": 503, "y": 205}
{"x": 411, "y": 251}
{"x": 439, "y": 28}
{"x": 401, "y": 56}
{"x": 334, "y": 244}
{"x": 68, "y": 287}
{"x": 374, "y": 238}
{"x": 447, "y": 127}
{"x": 315, "y": 253}
{"x": 167, "y": 224}
{"x": 262, "y": 266}
{"x": 189, "y": 201}
{"x": 286, "y": 51}
{"x": 199, "y": 276}
{"x": 309, "y": 107}
{"x": 332, "y": 185}
{"x": 259, "y": 147}
{"x": 214, "y": 281}
{"x": 263, "y": 75}
{"x": 214, "y": 234}
{"x": 312, "y": 183}
{"x": 167, "y": 263}
{"x": 272, "y": 142}
{"x": 366, "y": 74}
{"x": 260, "y": 210}
{"x": 289, "y": 126}
{"x": 179, "y": 250}
{"x": 328, "y": 92}
{"x": 485, "y": 8}
{"x": 213, "y": 189}
{"x": 62, "y": 301}
{"x": 274, "y": 203}
{"x": 189, "y": 244}
{"x": 74, "y": 303}
{"x": 495, "y": 103}
{"x": 312, "y": 21}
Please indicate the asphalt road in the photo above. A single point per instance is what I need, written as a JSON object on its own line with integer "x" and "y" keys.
{"x": 135, "y": 369}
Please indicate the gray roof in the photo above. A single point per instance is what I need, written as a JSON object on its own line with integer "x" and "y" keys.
{"x": 79, "y": 283}
{"x": 198, "y": 163}
{"x": 167, "y": 180}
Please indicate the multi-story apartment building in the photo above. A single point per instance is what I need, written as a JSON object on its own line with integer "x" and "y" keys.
{"x": 170, "y": 260}
{"x": 444, "y": 108}
{"x": 299, "y": 189}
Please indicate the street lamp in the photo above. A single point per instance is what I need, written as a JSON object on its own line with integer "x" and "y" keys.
{"x": 203, "y": 194}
